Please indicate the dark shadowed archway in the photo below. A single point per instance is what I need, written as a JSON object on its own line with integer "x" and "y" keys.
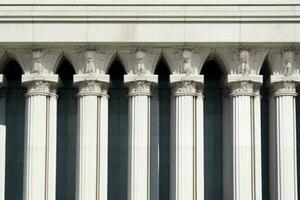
{"x": 15, "y": 118}
{"x": 213, "y": 131}
{"x": 66, "y": 133}
{"x": 264, "y": 92}
{"x": 163, "y": 92}
{"x": 117, "y": 134}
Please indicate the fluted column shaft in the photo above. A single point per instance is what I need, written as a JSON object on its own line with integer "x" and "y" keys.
{"x": 139, "y": 135}
{"x": 40, "y": 137}
{"x": 187, "y": 149}
{"x": 92, "y": 137}
{"x": 242, "y": 146}
{"x": 283, "y": 151}
{"x": 2, "y": 138}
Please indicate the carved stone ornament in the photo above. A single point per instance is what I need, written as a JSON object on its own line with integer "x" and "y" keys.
{"x": 244, "y": 62}
{"x": 187, "y": 66}
{"x": 288, "y": 62}
{"x": 139, "y": 88}
{"x": 93, "y": 88}
{"x": 90, "y": 63}
{"x": 37, "y": 64}
{"x": 242, "y": 88}
{"x": 284, "y": 88}
{"x": 185, "y": 88}
{"x": 41, "y": 88}
{"x": 140, "y": 63}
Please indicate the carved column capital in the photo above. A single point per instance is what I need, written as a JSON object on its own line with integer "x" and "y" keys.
{"x": 40, "y": 84}
{"x": 140, "y": 84}
{"x": 186, "y": 85}
{"x": 244, "y": 85}
{"x": 284, "y": 85}
{"x": 92, "y": 84}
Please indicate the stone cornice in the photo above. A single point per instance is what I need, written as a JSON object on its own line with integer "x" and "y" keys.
{"x": 187, "y": 85}
{"x": 194, "y": 12}
{"x": 92, "y": 84}
{"x": 140, "y": 84}
{"x": 40, "y": 84}
{"x": 243, "y": 85}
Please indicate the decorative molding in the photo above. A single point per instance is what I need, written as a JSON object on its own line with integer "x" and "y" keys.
{"x": 175, "y": 12}
{"x": 142, "y": 60}
{"x": 186, "y": 60}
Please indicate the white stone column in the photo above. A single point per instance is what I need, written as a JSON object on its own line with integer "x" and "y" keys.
{"x": 92, "y": 138}
{"x": 242, "y": 148}
{"x": 283, "y": 151}
{"x": 40, "y": 137}
{"x": 139, "y": 135}
{"x": 2, "y": 138}
{"x": 187, "y": 144}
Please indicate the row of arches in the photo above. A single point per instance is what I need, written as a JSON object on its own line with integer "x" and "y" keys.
{"x": 118, "y": 131}
{"x": 226, "y": 58}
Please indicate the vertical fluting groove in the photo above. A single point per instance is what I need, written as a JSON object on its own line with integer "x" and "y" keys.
{"x": 98, "y": 165}
{"x": 47, "y": 147}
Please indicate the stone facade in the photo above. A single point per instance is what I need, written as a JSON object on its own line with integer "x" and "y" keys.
{"x": 91, "y": 36}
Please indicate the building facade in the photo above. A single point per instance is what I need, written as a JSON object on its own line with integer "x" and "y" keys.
{"x": 138, "y": 100}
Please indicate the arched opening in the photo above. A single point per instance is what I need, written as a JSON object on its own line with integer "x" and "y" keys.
{"x": 213, "y": 131}
{"x": 15, "y": 118}
{"x": 66, "y": 133}
{"x": 117, "y": 134}
{"x": 163, "y": 95}
{"x": 264, "y": 92}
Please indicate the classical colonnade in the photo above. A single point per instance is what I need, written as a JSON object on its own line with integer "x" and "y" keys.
{"x": 241, "y": 127}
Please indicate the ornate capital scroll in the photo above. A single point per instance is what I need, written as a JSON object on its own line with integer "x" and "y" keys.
{"x": 284, "y": 89}
{"x": 140, "y": 84}
{"x": 244, "y": 85}
{"x": 186, "y": 85}
{"x": 91, "y": 84}
{"x": 282, "y": 85}
{"x": 40, "y": 84}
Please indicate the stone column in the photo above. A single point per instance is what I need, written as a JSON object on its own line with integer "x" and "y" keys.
{"x": 242, "y": 173}
{"x": 187, "y": 149}
{"x": 40, "y": 137}
{"x": 2, "y": 137}
{"x": 139, "y": 135}
{"x": 283, "y": 151}
{"x": 92, "y": 138}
